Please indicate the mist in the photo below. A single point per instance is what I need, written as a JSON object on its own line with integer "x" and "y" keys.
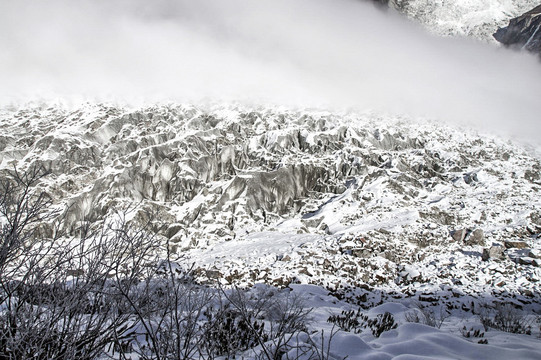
{"x": 300, "y": 53}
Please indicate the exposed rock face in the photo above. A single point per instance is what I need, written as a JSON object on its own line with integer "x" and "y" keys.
{"x": 459, "y": 235}
{"x": 523, "y": 32}
{"x": 477, "y": 18}
{"x": 390, "y": 3}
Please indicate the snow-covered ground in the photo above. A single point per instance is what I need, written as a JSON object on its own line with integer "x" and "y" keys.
{"x": 350, "y": 209}
{"x": 417, "y": 341}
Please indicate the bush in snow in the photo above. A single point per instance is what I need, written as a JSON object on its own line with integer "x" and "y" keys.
{"x": 427, "y": 316}
{"x": 227, "y": 331}
{"x": 505, "y": 317}
{"x": 109, "y": 294}
{"x": 349, "y": 320}
{"x": 356, "y": 322}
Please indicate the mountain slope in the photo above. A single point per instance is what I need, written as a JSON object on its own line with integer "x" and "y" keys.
{"x": 296, "y": 196}
{"x": 475, "y": 18}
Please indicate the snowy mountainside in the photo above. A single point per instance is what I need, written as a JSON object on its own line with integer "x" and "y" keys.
{"x": 280, "y": 196}
{"x": 476, "y": 18}
{"x": 348, "y": 211}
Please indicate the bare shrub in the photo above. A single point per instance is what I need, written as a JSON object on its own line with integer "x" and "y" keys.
{"x": 474, "y": 333}
{"x": 469, "y": 332}
{"x": 56, "y": 297}
{"x": 427, "y": 316}
{"x": 349, "y": 320}
{"x": 382, "y": 322}
{"x": 228, "y": 332}
{"x": 413, "y": 316}
{"x": 356, "y": 322}
{"x": 108, "y": 293}
{"x": 284, "y": 317}
{"x": 505, "y": 317}
{"x": 316, "y": 346}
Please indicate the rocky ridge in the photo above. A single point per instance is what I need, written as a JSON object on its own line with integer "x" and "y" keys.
{"x": 347, "y": 201}
{"x": 523, "y": 31}
{"x": 474, "y": 18}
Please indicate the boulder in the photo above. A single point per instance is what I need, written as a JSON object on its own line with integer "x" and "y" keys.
{"x": 459, "y": 235}
{"x": 529, "y": 261}
{"x": 493, "y": 252}
{"x": 515, "y": 244}
{"x": 523, "y": 32}
{"x": 469, "y": 237}
{"x": 476, "y": 237}
{"x": 533, "y": 175}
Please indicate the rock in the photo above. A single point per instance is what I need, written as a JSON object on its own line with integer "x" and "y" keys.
{"x": 325, "y": 228}
{"x": 532, "y": 176}
{"x": 523, "y": 32}
{"x": 476, "y": 237}
{"x": 469, "y": 237}
{"x": 327, "y": 265}
{"x": 439, "y": 216}
{"x": 312, "y": 222}
{"x": 494, "y": 252}
{"x": 75, "y": 272}
{"x": 305, "y": 271}
{"x": 214, "y": 274}
{"x": 395, "y": 4}
{"x": 515, "y": 244}
{"x": 459, "y": 235}
{"x": 173, "y": 229}
{"x": 470, "y": 178}
{"x": 529, "y": 261}
{"x": 532, "y": 229}
{"x": 535, "y": 218}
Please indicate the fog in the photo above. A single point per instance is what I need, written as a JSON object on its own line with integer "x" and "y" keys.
{"x": 298, "y": 53}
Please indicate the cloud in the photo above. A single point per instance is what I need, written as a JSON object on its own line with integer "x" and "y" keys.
{"x": 296, "y": 53}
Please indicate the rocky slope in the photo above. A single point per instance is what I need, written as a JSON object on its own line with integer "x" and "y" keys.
{"x": 523, "y": 31}
{"x": 474, "y": 18}
{"x": 358, "y": 203}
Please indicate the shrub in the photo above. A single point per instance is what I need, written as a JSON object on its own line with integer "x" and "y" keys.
{"x": 427, "y": 316}
{"x": 354, "y": 321}
{"x": 471, "y": 332}
{"x": 349, "y": 321}
{"x": 227, "y": 331}
{"x": 505, "y": 317}
{"x": 382, "y": 322}
{"x": 108, "y": 294}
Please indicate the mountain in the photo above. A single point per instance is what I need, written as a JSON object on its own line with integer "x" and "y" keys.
{"x": 370, "y": 209}
{"x": 216, "y": 229}
{"x": 523, "y": 31}
{"x": 474, "y": 18}
{"x": 317, "y": 197}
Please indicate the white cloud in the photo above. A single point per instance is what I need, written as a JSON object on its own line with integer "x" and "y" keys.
{"x": 297, "y": 53}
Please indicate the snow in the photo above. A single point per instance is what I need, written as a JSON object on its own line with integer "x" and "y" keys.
{"x": 413, "y": 340}
{"x": 474, "y": 18}
{"x": 257, "y": 248}
{"x": 373, "y": 231}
